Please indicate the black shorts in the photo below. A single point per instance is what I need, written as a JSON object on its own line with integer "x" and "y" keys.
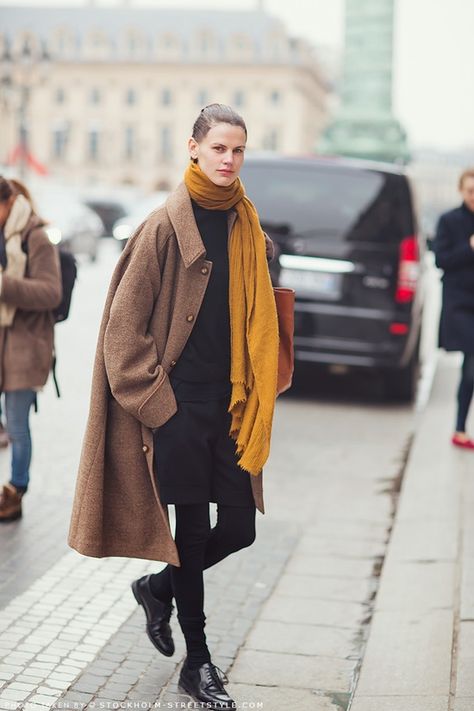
{"x": 195, "y": 459}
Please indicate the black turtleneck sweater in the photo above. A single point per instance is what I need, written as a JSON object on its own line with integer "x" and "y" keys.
{"x": 203, "y": 369}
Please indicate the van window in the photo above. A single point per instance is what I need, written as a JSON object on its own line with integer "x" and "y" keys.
{"x": 332, "y": 203}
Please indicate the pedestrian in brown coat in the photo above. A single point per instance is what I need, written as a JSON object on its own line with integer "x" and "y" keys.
{"x": 183, "y": 394}
{"x": 30, "y": 288}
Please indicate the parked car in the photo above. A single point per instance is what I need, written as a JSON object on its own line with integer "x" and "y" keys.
{"x": 127, "y": 225}
{"x": 111, "y": 203}
{"x": 109, "y": 212}
{"x": 347, "y": 241}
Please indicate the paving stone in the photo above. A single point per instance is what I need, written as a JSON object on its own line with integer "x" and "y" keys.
{"x": 321, "y": 566}
{"x": 278, "y": 697}
{"x": 87, "y": 687}
{"x": 425, "y": 540}
{"x": 43, "y": 700}
{"x": 115, "y": 695}
{"x": 78, "y": 696}
{"x": 22, "y": 686}
{"x": 401, "y": 703}
{"x": 420, "y": 655}
{"x": 414, "y": 587}
{"x": 43, "y": 666}
{"x": 463, "y": 704}
{"x": 49, "y": 691}
{"x": 325, "y": 588}
{"x": 465, "y": 660}
{"x": 14, "y": 694}
{"x": 6, "y": 669}
{"x": 118, "y": 686}
{"x": 17, "y": 658}
{"x": 255, "y": 667}
{"x": 6, "y": 675}
{"x": 307, "y": 611}
{"x": 28, "y": 679}
{"x": 289, "y": 638}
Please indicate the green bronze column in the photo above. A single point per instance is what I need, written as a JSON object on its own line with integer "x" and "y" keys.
{"x": 364, "y": 126}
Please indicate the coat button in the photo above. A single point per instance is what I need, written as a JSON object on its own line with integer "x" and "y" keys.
{"x": 172, "y": 363}
{"x": 145, "y": 448}
{"x": 190, "y": 318}
{"x": 204, "y": 270}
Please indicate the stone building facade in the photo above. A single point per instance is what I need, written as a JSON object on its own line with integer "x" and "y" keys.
{"x": 109, "y": 94}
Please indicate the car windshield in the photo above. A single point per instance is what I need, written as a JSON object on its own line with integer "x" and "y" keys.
{"x": 328, "y": 202}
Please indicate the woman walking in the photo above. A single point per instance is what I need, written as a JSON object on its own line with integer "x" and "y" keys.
{"x": 184, "y": 383}
{"x": 30, "y": 288}
{"x": 454, "y": 249}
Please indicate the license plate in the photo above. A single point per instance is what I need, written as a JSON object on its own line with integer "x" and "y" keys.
{"x": 321, "y": 285}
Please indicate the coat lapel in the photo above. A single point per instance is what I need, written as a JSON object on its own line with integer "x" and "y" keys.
{"x": 181, "y": 215}
{"x": 180, "y": 212}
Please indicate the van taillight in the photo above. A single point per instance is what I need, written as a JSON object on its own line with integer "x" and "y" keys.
{"x": 408, "y": 270}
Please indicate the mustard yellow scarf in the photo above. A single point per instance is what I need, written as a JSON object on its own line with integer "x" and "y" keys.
{"x": 253, "y": 320}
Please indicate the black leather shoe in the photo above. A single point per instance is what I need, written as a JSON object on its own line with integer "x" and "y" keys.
{"x": 157, "y": 616}
{"x": 206, "y": 685}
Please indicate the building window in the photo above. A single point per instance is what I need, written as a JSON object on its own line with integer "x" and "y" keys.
{"x": 166, "y": 97}
{"x": 275, "y": 97}
{"x": 93, "y": 145}
{"x": 131, "y": 97}
{"x": 132, "y": 44}
{"x": 166, "y": 146}
{"x": 59, "y": 143}
{"x": 130, "y": 146}
{"x": 270, "y": 140}
{"x": 202, "y": 97}
{"x": 95, "y": 96}
{"x": 60, "y": 96}
{"x": 205, "y": 42}
{"x": 239, "y": 98}
{"x": 170, "y": 41}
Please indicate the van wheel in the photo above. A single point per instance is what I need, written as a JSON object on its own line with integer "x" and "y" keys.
{"x": 401, "y": 384}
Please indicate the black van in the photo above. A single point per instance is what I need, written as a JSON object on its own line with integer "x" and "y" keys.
{"x": 347, "y": 241}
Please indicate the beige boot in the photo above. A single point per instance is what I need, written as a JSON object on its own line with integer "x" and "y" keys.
{"x": 10, "y": 503}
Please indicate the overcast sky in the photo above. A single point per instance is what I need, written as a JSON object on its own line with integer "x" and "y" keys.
{"x": 434, "y": 66}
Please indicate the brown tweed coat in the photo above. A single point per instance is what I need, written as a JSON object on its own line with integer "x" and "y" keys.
{"x": 153, "y": 300}
{"x": 26, "y": 347}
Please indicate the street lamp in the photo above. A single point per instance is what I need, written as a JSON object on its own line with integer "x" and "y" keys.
{"x": 16, "y": 77}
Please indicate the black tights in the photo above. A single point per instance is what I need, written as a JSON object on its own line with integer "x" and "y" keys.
{"x": 465, "y": 390}
{"x": 200, "y": 547}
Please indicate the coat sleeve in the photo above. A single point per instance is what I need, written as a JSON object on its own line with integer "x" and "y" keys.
{"x": 137, "y": 379}
{"x": 451, "y": 252}
{"x": 41, "y": 289}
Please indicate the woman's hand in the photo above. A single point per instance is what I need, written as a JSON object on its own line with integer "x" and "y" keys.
{"x": 270, "y": 249}
{"x": 471, "y": 241}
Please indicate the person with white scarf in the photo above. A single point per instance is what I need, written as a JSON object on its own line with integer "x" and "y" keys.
{"x": 30, "y": 288}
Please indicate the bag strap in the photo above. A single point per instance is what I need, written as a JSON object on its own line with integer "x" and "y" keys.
{"x": 55, "y": 377}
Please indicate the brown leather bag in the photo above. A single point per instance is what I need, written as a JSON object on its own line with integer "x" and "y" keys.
{"x": 285, "y": 304}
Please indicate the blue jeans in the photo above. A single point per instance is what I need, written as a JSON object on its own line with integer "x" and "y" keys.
{"x": 17, "y": 411}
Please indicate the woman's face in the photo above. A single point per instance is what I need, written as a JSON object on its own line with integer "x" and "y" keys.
{"x": 220, "y": 153}
{"x": 5, "y": 208}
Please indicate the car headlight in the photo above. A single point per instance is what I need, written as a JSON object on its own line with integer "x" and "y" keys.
{"x": 54, "y": 234}
{"x": 122, "y": 232}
